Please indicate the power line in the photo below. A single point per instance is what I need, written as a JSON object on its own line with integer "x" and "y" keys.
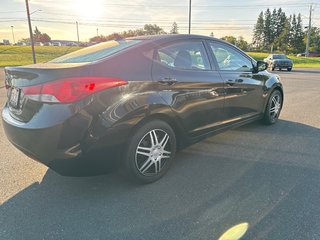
{"x": 12, "y": 12}
{"x": 138, "y": 21}
{"x": 136, "y": 25}
{"x": 204, "y": 6}
{"x": 143, "y": 21}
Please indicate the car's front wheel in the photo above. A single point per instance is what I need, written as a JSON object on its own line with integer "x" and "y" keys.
{"x": 289, "y": 69}
{"x": 273, "y": 108}
{"x": 150, "y": 152}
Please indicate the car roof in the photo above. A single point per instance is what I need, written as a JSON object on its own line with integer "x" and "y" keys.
{"x": 172, "y": 37}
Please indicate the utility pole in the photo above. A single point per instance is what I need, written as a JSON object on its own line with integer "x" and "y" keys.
{"x": 189, "y": 16}
{"x": 14, "y": 41}
{"x": 309, "y": 31}
{"x": 97, "y": 32}
{"x": 31, "y": 34}
{"x": 78, "y": 32}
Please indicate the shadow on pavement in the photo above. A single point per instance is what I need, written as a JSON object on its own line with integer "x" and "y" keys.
{"x": 266, "y": 176}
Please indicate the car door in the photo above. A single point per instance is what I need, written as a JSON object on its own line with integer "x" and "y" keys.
{"x": 189, "y": 84}
{"x": 243, "y": 88}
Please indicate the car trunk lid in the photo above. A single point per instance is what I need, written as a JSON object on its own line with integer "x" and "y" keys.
{"x": 19, "y": 78}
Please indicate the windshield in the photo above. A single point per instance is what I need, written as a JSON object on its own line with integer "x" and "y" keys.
{"x": 95, "y": 52}
{"x": 279, "y": 56}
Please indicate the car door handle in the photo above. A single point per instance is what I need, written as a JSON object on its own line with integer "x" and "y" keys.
{"x": 167, "y": 81}
{"x": 230, "y": 82}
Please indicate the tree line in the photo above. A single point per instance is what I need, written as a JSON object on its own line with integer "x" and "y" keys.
{"x": 148, "y": 29}
{"x": 278, "y": 32}
{"x": 274, "y": 31}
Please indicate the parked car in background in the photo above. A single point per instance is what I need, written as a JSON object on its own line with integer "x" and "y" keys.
{"x": 145, "y": 95}
{"x": 310, "y": 54}
{"x": 279, "y": 61}
{"x": 57, "y": 44}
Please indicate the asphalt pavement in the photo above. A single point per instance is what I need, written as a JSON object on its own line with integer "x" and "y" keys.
{"x": 267, "y": 176}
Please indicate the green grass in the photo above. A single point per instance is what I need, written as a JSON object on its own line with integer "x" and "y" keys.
{"x": 22, "y": 55}
{"x": 309, "y": 62}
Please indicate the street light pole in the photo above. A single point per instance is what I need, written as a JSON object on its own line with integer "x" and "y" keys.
{"x": 309, "y": 32}
{"x": 97, "y": 32}
{"x": 14, "y": 41}
{"x": 78, "y": 32}
{"x": 31, "y": 35}
{"x": 189, "y": 16}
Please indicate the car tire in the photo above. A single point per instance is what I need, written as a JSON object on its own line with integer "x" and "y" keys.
{"x": 273, "y": 108}
{"x": 150, "y": 152}
{"x": 289, "y": 69}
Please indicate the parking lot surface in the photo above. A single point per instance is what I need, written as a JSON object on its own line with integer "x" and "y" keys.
{"x": 267, "y": 176}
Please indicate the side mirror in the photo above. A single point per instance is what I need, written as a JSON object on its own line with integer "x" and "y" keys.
{"x": 261, "y": 66}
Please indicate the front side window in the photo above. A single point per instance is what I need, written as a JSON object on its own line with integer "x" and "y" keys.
{"x": 229, "y": 59}
{"x": 96, "y": 52}
{"x": 184, "y": 55}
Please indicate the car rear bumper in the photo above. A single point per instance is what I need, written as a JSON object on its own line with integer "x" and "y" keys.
{"x": 64, "y": 146}
{"x": 43, "y": 144}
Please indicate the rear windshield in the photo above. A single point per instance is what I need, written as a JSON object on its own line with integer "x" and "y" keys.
{"x": 95, "y": 52}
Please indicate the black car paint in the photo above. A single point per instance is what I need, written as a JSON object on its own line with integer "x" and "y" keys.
{"x": 197, "y": 104}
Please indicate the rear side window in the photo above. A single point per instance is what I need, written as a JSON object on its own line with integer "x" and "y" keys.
{"x": 184, "y": 55}
{"x": 96, "y": 52}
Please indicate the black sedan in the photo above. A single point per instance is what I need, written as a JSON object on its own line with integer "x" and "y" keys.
{"x": 147, "y": 96}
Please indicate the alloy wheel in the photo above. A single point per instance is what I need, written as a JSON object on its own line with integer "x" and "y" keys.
{"x": 152, "y": 152}
{"x": 275, "y": 106}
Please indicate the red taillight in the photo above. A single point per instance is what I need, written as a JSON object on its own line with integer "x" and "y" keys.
{"x": 70, "y": 89}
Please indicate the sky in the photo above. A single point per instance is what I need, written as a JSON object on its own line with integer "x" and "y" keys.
{"x": 58, "y": 18}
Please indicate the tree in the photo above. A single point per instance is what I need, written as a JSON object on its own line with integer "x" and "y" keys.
{"x": 242, "y": 44}
{"x": 239, "y": 42}
{"x": 280, "y": 22}
{"x": 97, "y": 39}
{"x": 258, "y": 33}
{"x": 296, "y": 40}
{"x": 273, "y": 25}
{"x": 149, "y": 29}
{"x": 268, "y": 33}
{"x": 153, "y": 29}
{"x": 174, "y": 29}
{"x": 314, "y": 39}
{"x": 230, "y": 39}
{"x": 40, "y": 37}
{"x": 281, "y": 42}
{"x": 211, "y": 34}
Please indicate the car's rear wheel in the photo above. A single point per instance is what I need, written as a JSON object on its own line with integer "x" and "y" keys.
{"x": 289, "y": 69}
{"x": 273, "y": 108}
{"x": 150, "y": 152}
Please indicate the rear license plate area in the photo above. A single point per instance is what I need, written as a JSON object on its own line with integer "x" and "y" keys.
{"x": 14, "y": 97}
